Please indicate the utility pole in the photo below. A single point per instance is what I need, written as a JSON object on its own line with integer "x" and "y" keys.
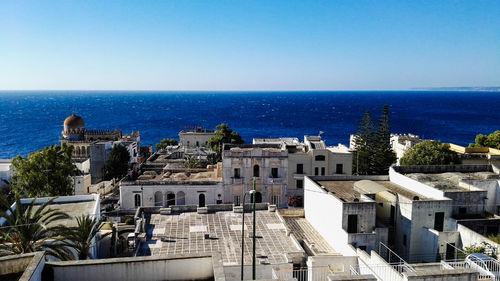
{"x": 253, "y": 248}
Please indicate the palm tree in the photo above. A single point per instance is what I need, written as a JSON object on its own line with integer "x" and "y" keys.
{"x": 80, "y": 237}
{"x": 26, "y": 229}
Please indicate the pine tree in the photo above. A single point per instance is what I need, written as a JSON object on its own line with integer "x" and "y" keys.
{"x": 362, "y": 161}
{"x": 383, "y": 156}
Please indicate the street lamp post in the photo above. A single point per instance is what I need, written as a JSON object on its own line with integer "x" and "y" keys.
{"x": 252, "y": 192}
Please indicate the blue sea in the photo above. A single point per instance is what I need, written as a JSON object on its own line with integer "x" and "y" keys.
{"x": 31, "y": 120}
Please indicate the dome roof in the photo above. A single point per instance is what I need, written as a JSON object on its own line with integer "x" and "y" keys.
{"x": 74, "y": 121}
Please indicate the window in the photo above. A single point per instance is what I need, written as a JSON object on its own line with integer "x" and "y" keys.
{"x": 322, "y": 171}
{"x": 137, "y": 200}
{"x": 316, "y": 171}
{"x": 300, "y": 169}
{"x": 197, "y": 143}
{"x": 274, "y": 172}
{"x": 339, "y": 169}
{"x": 319, "y": 158}
{"x": 352, "y": 223}
{"x": 256, "y": 171}
{"x": 236, "y": 173}
{"x": 404, "y": 240}
{"x": 275, "y": 200}
{"x": 300, "y": 183}
{"x": 237, "y": 200}
{"x": 381, "y": 204}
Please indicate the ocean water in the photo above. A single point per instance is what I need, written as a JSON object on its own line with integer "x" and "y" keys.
{"x": 32, "y": 120}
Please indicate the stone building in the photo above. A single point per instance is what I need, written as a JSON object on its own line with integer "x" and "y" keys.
{"x": 195, "y": 138}
{"x": 265, "y": 165}
{"x": 97, "y": 144}
{"x": 311, "y": 157}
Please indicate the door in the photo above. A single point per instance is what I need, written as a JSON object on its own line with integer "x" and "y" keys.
{"x": 439, "y": 221}
{"x": 201, "y": 200}
{"x": 352, "y": 223}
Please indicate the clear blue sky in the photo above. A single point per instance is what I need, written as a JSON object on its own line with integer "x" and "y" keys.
{"x": 248, "y": 45}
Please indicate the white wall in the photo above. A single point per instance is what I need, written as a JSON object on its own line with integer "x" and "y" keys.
{"x": 414, "y": 185}
{"x": 324, "y": 213}
{"x": 147, "y": 193}
{"x": 469, "y": 237}
{"x": 131, "y": 269}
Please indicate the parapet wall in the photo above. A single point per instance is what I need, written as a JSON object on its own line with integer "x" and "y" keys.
{"x": 436, "y": 169}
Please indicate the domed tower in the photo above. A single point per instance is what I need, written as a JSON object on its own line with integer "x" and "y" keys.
{"x": 74, "y": 128}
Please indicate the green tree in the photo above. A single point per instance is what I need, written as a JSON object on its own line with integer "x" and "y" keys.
{"x": 116, "y": 167}
{"x": 30, "y": 229}
{"x": 492, "y": 140}
{"x": 81, "y": 237}
{"x": 383, "y": 156}
{"x": 47, "y": 172}
{"x": 364, "y": 146}
{"x": 429, "y": 152}
{"x": 164, "y": 143}
{"x": 223, "y": 135}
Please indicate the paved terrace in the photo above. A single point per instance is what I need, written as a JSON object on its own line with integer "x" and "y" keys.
{"x": 185, "y": 233}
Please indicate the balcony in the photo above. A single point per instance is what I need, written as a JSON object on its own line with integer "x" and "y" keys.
{"x": 298, "y": 176}
{"x": 274, "y": 180}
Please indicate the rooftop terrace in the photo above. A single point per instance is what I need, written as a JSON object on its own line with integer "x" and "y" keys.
{"x": 185, "y": 233}
{"x": 450, "y": 181}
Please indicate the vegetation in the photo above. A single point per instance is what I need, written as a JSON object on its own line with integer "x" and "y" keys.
{"x": 429, "y": 152}
{"x": 373, "y": 153}
{"x": 193, "y": 163}
{"x": 80, "y": 237}
{"x": 44, "y": 173}
{"x": 492, "y": 140}
{"x": 482, "y": 248}
{"x": 295, "y": 201}
{"x": 223, "y": 135}
{"x": 116, "y": 167}
{"x": 164, "y": 143}
{"x": 31, "y": 229}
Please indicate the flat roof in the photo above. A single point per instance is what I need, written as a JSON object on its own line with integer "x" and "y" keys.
{"x": 451, "y": 181}
{"x": 396, "y": 188}
{"x": 303, "y": 230}
{"x": 73, "y": 209}
{"x": 184, "y": 233}
{"x": 344, "y": 190}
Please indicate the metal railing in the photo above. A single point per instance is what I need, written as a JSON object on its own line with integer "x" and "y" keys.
{"x": 488, "y": 270}
{"x": 319, "y": 273}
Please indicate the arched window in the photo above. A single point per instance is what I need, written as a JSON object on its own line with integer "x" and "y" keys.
{"x": 258, "y": 197}
{"x": 158, "y": 199}
{"x": 319, "y": 158}
{"x": 181, "y": 198}
{"x": 137, "y": 199}
{"x": 256, "y": 171}
{"x": 170, "y": 199}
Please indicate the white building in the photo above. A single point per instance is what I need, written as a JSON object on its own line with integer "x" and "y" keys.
{"x": 343, "y": 216}
{"x": 6, "y": 171}
{"x": 400, "y": 143}
{"x": 164, "y": 181}
{"x": 74, "y": 206}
